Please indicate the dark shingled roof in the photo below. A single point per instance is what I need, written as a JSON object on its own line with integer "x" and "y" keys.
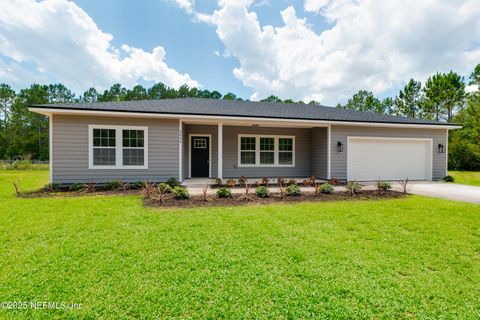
{"x": 212, "y": 107}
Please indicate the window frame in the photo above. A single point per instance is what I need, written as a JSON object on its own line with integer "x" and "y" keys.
{"x": 257, "y": 151}
{"x": 118, "y": 146}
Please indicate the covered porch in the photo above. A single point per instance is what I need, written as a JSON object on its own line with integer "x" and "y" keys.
{"x": 255, "y": 150}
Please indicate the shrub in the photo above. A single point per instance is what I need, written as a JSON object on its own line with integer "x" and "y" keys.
{"x": 138, "y": 184}
{"x": 448, "y": 179}
{"x": 383, "y": 186}
{"x": 404, "y": 185}
{"x": 262, "y": 192}
{"x": 326, "y": 188}
{"x": 231, "y": 183}
{"x": 181, "y": 193}
{"x": 242, "y": 180}
{"x": 52, "y": 187}
{"x": 312, "y": 180}
{"x": 306, "y": 182}
{"x": 218, "y": 181}
{"x": 172, "y": 182}
{"x": 224, "y": 192}
{"x": 91, "y": 187}
{"x": 292, "y": 182}
{"x": 353, "y": 187}
{"x": 293, "y": 190}
{"x": 148, "y": 189}
{"x": 164, "y": 188}
{"x": 265, "y": 181}
{"x": 281, "y": 181}
{"x": 333, "y": 181}
{"x": 77, "y": 187}
{"x": 112, "y": 185}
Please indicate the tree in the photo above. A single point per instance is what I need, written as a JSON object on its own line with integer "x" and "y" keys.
{"x": 137, "y": 93}
{"x": 156, "y": 91}
{"x": 410, "y": 100}
{"x": 58, "y": 93}
{"x": 91, "y": 95}
{"x": 229, "y": 96}
{"x": 444, "y": 95}
{"x": 7, "y": 96}
{"x": 271, "y": 98}
{"x": 464, "y": 144}
{"x": 186, "y": 92}
{"x": 363, "y": 101}
{"x": 115, "y": 93}
{"x": 388, "y": 106}
{"x": 475, "y": 75}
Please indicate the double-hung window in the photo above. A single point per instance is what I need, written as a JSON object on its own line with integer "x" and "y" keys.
{"x": 259, "y": 150}
{"x": 118, "y": 147}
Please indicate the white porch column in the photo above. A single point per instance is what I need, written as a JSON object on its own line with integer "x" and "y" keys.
{"x": 180, "y": 150}
{"x": 220, "y": 150}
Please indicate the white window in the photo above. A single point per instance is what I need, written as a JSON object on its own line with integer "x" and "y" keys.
{"x": 200, "y": 143}
{"x": 270, "y": 151}
{"x": 118, "y": 147}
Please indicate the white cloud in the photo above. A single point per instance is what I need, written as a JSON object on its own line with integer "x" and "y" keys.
{"x": 373, "y": 45}
{"x": 472, "y": 88}
{"x": 64, "y": 43}
{"x": 186, "y": 5}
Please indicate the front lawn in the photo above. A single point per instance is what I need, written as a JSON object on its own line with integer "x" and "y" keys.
{"x": 471, "y": 178}
{"x": 405, "y": 258}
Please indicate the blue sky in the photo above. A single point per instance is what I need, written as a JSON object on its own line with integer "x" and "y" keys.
{"x": 301, "y": 49}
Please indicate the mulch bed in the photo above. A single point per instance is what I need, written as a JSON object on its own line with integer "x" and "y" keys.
{"x": 239, "y": 200}
{"x": 72, "y": 194}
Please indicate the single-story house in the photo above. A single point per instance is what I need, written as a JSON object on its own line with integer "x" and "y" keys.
{"x": 188, "y": 138}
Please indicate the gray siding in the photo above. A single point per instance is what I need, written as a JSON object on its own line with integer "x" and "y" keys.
{"x": 70, "y": 150}
{"x": 302, "y": 153}
{"x": 341, "y": 133}
{"x": 201, "y": 129}
{"x": 320, "y": 152}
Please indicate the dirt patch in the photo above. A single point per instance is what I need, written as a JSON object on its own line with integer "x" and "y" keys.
{"x": 239, "y": 200}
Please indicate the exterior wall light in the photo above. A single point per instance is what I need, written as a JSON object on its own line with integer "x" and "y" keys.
{"x": 441, "y": 148}
{"x": 339, "y": 147}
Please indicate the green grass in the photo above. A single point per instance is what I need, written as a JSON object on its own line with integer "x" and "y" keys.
{"x": 471, "y": 178}
{"x": 406, "y": 258}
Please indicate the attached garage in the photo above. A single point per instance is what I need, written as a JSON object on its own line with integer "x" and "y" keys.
{"x": 372, "y": 158}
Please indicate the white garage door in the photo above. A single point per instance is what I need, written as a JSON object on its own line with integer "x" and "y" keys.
{"x": 389, "y": 159}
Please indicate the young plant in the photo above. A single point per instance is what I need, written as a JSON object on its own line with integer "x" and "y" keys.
{"x": 292, "y": 182}
{"x": 293, "y": 190}
{"x": 162, "y": 193}
{"x": 122, "y": 186}
{"x": 333, "y": 181}
{"x": 353, "y": 187}
{"x": 148, "y": 189}
{"x": 90, "y": 187}
{"x": 306, "y": 182}
{"x": 231, "y": 183}
{"x": 383, "y": 186}
{"x": 265, "y": 181}
{"x": 112, "y": 185}
{"x": 52, "y": 187}
{"x": 218, "y": 181}
{"x": 404, "y": 185}
{"x": 448, "y": 179}
{"x": 246, "y": 195}
{"x": 165, "y": 188}
{"x": 181, "y": 193}
{"x": 281, "y": 181}
{"x": 326, "y": 188}
{"x": 242, "y": 180}
{"x": 262, "y": 192}
{"x": 205, "y": 192}
{"x": 316, "y": 187}
{"x": 312, "y": 180}
{"x": 224, "y": 192}
{"x": 172, "y": 182}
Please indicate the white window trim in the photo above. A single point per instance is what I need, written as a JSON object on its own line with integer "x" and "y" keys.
{"x": 257, "y": 151}
{"x": 118, "y": 146}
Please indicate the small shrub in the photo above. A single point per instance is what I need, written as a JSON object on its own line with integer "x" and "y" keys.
{"x": 164, "y": 188}
{"x": 265, "y": 181}
{"x": 262, "y": 192}
{"x": 205, "y": 193}
{"x": 404, "y": 185}
{"x": 383, "y": 186}
{"x": 91, "y": 187}
{"x": 172, "y": 182}
{"x": 224, "y": 192}
{"x": 281, "y": 181}
{"x": 231, "y": 183}
{"x": 242, "y": 180}
{"x": 148, "y": 189}
{"x": 353, "y": 187}
{"x": 122, "y": 186}
{"x": 448, "y": 179}
{"x": 218, "y": 181}
{"x": 292, "y": 182}
{"x": 138, "y": 184}
{"x": 293, "y": 190}
{"x": 306, "y": 182}
{"x": 112, "y": 185}
{"x": 326, "y": 188}
{"x": 181, "y": 193}
{"x": 52, "y": 187}
{"x": 77, "y": 187}
{"x": 333, "y": 181}
{"x": 312, "y": 180}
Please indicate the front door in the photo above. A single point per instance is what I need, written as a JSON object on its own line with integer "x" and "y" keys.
{"x": 200, "y": 160}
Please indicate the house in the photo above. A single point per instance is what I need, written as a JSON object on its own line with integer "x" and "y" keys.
{"x": 188, "y": 138}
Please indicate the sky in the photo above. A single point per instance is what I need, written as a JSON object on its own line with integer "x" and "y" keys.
{"x": 324, "y": 50}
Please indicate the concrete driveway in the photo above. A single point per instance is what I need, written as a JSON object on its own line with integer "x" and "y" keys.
{"x": 450, "y": 191}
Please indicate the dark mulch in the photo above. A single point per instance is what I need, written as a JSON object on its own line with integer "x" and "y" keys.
{"x": 239, "y": 200}
{"x": 63, "y": 194}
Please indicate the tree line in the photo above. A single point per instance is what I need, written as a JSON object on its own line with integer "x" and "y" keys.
{"x": 24, "y": 134}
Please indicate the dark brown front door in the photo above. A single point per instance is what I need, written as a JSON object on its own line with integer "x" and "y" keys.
{"x": 200, "y": 151}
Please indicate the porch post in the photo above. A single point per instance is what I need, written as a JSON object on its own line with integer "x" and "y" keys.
{"x": 180, "y": 150}
{"x": 329, "y": 150}
{"x": 220, "y": 150}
